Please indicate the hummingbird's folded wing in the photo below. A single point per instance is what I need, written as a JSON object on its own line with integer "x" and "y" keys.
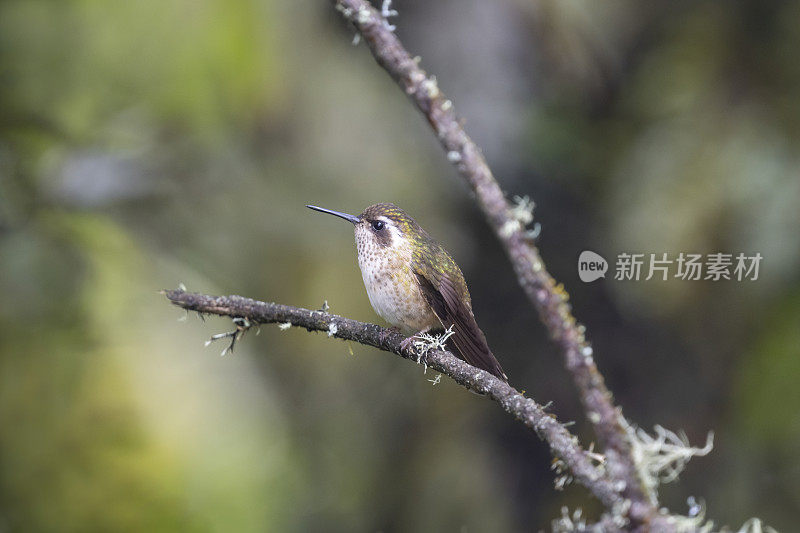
{"x": 453, "y": 310}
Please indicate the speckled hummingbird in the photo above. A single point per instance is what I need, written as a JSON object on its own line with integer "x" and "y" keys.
{"x": 414, "y": 284}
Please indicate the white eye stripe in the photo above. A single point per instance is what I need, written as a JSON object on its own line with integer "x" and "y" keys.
{"x": 394, "y": 231}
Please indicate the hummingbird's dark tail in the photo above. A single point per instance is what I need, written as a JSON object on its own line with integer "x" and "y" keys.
{"x": 453, "y": 311}
{"x": 471, "y": 345}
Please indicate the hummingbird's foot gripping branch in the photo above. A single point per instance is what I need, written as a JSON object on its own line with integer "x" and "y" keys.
{"x": 408, "y": 342}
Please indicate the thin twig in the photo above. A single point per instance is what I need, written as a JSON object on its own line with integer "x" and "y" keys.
{"x": 550, "y": 299}
{"x": 562, "y": 443}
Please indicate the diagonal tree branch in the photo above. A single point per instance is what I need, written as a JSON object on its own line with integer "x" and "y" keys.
{"x": 582, "y": 465}
{"x": 550, "y": 299}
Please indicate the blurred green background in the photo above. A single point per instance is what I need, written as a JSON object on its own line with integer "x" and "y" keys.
{"x": 144, "y": 144}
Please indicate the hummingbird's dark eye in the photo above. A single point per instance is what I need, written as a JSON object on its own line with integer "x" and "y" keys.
{"x": 378, "y": 225}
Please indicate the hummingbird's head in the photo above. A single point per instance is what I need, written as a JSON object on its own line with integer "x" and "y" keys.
{"x": 380, "y": 226}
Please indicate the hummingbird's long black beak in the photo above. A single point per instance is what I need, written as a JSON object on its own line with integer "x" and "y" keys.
{"x": 350, "y": 218}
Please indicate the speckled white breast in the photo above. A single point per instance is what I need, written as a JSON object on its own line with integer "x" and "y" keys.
{"x": 391, "y": 286}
